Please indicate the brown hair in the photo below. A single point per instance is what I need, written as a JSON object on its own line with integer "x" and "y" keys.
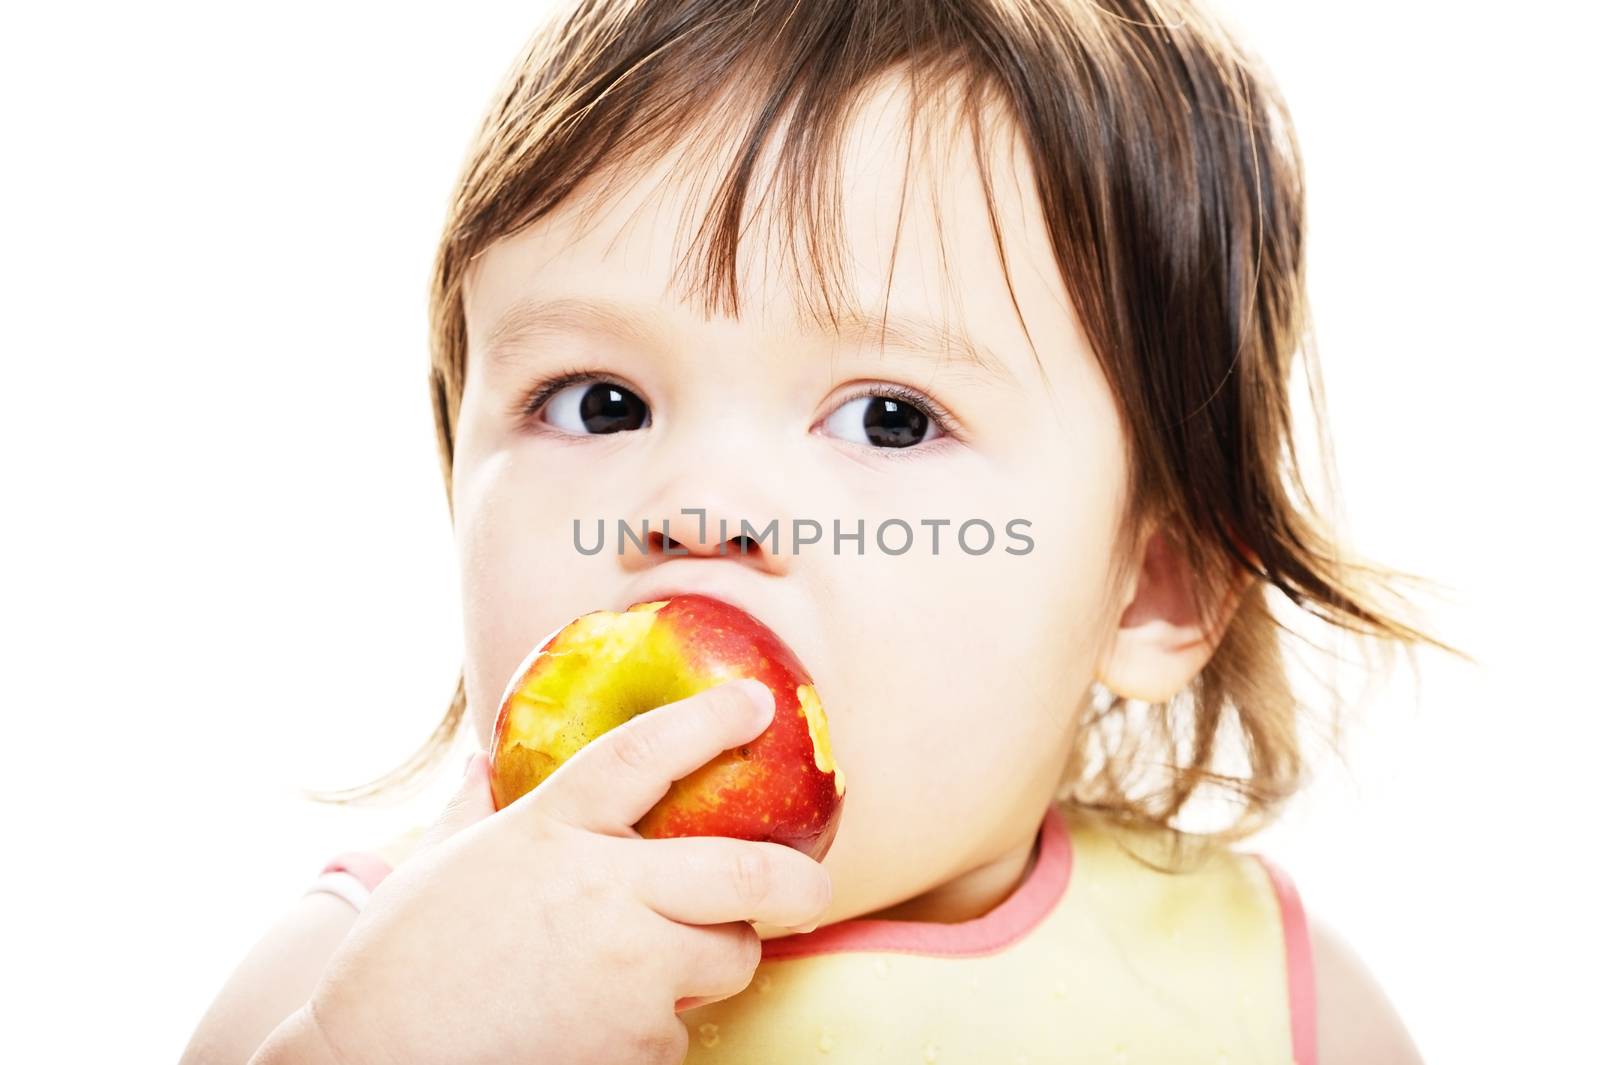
{"x": 1170, "y": 180}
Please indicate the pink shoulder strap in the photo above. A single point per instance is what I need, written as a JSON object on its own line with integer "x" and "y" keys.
{"x": 1301, "y": 977}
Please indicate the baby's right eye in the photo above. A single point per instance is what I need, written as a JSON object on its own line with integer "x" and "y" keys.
{"x": 590, "y": 407}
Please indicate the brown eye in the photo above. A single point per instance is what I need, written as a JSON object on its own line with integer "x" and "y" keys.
{"x": 592, "y": 408}
{"x": 883, "y": 421}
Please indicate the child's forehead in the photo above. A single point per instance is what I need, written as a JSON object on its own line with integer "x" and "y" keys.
{"x": 899, "y": 238}
{"x": 579, "y": 311}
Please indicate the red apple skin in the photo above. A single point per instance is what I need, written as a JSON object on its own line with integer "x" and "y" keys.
{"x": 782, "y": 786}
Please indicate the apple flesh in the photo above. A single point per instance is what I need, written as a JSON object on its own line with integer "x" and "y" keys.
{"x": 605, "y": 667}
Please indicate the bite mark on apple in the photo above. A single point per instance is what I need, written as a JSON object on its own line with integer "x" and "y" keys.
{"x": 817, "y": 724}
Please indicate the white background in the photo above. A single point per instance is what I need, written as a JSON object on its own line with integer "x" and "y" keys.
{"x": 228, "y": 570}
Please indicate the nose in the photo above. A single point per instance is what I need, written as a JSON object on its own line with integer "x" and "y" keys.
{"x": 706, "y": 546}
{"x": 703, "y": 532}
{"x": 723, "y": 511}
{"x": 714, "y": 488}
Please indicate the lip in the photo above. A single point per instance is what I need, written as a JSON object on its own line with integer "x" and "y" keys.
{"x": 711, "y": 589}
{"x": 650, "y": 595}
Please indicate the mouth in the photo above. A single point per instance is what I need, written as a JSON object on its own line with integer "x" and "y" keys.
{"x": 651, "y": 595}
{"x": 788, "y": 609}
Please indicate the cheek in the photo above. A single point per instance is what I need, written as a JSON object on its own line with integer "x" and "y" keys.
{"x": 962, "y": 704}
{"x": 975, "y": 665}
{"x": 504, "y": 543}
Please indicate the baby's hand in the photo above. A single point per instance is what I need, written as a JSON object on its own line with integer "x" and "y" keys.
{"x": 550, "y": 931}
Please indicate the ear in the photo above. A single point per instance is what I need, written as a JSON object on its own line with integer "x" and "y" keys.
{"x": 1159, "y": 645}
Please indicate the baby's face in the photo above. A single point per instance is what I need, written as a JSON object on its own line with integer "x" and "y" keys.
{"x": 951, "y": 677}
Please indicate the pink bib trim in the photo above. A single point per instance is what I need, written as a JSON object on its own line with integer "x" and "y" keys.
{"x": 367, "y": 868}
{"x": 1008, "y": 922}
{"x": 1015, "y": 917}
{"x": 1301, "y": 976}
{"x": 1020, "y": 913}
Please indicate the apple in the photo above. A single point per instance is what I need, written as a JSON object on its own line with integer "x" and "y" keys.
{"x": 605, "y": 667}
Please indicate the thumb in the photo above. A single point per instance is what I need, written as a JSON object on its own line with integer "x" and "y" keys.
{"x": 472, "y": 802}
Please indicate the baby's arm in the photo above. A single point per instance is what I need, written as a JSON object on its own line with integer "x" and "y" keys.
{"x": 275, "y": 978}
{"x": 1356, "y": 1023}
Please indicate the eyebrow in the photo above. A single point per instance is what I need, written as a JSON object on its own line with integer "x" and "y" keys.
{"x": 551, "y": 316}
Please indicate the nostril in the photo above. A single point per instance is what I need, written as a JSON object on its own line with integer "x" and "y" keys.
{"x": 658, "y": 543}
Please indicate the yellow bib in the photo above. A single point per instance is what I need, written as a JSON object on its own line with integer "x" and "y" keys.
{"x": 1095, "y": 957}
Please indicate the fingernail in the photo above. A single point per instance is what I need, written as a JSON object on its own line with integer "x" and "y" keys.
{"x": 467, "y": 766}
{"x": 761, "y": 696}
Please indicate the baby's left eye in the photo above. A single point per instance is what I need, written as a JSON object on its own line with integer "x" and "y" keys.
{"x": 883, "y": 421}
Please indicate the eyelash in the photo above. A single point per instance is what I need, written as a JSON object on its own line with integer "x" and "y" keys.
{"x": 536, "y": 397}
{"x": 532, "y": 401}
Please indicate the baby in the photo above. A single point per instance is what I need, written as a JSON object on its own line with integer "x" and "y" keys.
{"x": 953, "y": 340}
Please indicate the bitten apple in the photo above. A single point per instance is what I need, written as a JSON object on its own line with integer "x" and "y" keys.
{"x": 605, "y": 667}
